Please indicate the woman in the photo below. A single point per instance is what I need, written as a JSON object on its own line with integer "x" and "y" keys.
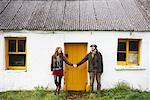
{"x": 57, "y": 67}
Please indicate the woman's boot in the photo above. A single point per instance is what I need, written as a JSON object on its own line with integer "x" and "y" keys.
{"x": 59, "y": 87}
{"x": 56, "y": 89}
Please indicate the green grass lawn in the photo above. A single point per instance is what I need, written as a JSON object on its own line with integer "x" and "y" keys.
{"x": 121, "y": 92}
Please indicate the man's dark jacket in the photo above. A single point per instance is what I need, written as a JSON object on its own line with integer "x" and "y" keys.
{"x": 95, "y": 63}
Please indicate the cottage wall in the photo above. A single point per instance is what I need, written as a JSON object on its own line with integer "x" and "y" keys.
{"x": 41, "y": 46}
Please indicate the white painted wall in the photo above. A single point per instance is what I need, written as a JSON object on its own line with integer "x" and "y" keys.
{"x": 41, "y": 46}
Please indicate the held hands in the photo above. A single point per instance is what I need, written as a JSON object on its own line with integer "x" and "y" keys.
{"x": 75, "y": 66}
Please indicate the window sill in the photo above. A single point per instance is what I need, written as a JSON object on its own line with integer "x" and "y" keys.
{"x": 16, "y": 68}
{"x": 118, "y": 68}
{"x": 15, "y": 71}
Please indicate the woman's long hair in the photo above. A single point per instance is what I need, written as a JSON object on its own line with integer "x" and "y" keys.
{"x": 56, "y": 53}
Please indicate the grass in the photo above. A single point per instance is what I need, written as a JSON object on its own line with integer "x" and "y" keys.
{"x": 122, "y": 91}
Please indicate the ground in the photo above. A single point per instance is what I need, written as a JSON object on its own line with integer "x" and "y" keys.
{"x": 120, "y": 92}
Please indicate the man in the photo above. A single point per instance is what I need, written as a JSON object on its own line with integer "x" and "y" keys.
{"x": 95, "y": 66}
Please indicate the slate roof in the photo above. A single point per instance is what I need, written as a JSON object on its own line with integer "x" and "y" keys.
{"x": 81, "y": 15}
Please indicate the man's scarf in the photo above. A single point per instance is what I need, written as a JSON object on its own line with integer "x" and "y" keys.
{"x": 93, "y": 53}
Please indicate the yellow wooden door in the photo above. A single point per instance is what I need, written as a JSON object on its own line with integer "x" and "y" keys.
{"x": 75, "y": 79}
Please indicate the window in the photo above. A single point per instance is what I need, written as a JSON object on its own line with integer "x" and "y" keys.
{"x": 16, "y": 53}
{"x": 128, "y": 52}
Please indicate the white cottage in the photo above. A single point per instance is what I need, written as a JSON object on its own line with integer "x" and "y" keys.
{"x": 31, "y": 30}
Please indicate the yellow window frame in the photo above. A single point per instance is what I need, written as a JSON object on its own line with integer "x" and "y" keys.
{"x": 7, "y": 53}
{"x": 126, "y": 63}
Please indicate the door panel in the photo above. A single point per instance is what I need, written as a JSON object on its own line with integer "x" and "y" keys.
{"x": 75, "y": 78}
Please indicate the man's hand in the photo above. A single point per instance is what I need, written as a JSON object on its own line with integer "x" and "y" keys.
{"x": 74, "y": 65}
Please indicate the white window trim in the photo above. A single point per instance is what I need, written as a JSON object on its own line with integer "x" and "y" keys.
{"x": 129, "y": 67}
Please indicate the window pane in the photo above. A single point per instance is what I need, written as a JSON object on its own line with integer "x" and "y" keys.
{"x": 21, "y": 45}
{"x": 133, "y": 58}
{"x": 121, "y": 46}
{"x": 12, "y": 45}
{"x": 121, "y": 56}
{"x": 17, "y": 59}
{"x": 133, "y": 45}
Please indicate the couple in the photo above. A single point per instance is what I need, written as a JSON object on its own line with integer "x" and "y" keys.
{"x": 95, "y": 67}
